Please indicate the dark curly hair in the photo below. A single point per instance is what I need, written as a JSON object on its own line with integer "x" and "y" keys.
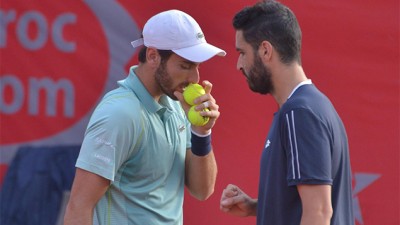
{"x": 272, "y": 21}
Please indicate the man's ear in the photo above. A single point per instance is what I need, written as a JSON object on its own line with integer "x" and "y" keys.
{"x": 265, "y": 50}
{"x": 152, "y": 56}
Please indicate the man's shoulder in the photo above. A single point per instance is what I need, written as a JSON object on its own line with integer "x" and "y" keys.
{"x": 118, "y": 104}
{"x": 119, "y": 98}
{"x": 306, "y": 97}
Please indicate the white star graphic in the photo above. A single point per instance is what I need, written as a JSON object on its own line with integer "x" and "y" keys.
{"x": 362, "y": 181}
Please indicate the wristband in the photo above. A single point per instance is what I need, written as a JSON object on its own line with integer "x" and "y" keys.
{"x": 201, "y": 146}
{"x": 201, "y": 135}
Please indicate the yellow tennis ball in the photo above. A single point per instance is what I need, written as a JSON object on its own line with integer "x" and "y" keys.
{"x": 196, "y": 119}
{"x": 193, "y": 91}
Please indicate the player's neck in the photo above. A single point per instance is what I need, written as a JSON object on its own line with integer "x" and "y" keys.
{"x": 285, "y": 80}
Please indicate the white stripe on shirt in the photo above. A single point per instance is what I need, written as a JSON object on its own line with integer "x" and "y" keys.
{"x": 293, "y": 145}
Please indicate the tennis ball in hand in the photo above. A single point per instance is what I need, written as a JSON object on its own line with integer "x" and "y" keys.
{"x": 196, "y": 119}
{"x": 192, "y": 91}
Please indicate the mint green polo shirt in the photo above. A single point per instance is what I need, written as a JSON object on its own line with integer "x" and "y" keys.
{"x": 140, "y": 146}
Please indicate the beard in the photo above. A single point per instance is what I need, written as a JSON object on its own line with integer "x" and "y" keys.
{"x": 164, "y": 80}
{"x": 259, "y": 77}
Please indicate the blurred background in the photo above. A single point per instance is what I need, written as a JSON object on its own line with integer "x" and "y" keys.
{"x": 57, "y": 59}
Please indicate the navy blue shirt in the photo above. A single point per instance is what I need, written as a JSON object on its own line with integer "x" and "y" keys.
{"x": 306, "y": 144}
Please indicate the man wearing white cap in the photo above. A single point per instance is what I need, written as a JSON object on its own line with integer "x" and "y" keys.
{"x": 139, "y": 149}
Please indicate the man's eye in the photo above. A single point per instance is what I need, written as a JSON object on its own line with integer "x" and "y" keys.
{"x": 185, "y": 67}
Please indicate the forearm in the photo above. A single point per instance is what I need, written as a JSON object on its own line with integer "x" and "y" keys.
{"x": 86, "y": 191}
{"x": 201, "y": 174}
{"x": 316, "y": 218}
{"x": 78, "y": 215}
{"x": 316, "y": 204}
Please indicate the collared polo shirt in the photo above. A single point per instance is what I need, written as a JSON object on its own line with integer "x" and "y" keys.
{"x": 140, "y": 146}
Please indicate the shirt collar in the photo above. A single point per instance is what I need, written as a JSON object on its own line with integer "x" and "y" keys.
{"x": 308, "y": 81}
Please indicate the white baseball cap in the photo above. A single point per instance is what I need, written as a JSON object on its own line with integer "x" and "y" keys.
{"x": 177, "y": 31}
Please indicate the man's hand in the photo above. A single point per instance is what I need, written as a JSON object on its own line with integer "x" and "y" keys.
{"x": 234, "y": 201}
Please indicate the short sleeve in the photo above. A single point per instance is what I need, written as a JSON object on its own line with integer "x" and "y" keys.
{"x": 307, "y": 145}
{"x": 109, "y": 139}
